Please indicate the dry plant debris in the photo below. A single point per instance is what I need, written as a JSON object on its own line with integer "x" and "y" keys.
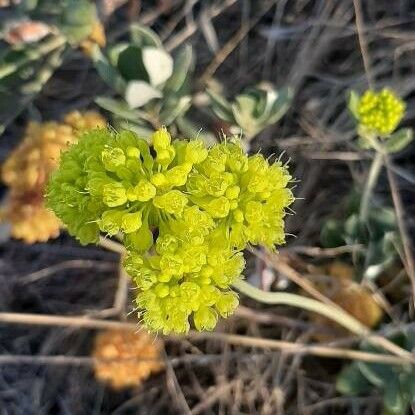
{"x": 337, "y": 285}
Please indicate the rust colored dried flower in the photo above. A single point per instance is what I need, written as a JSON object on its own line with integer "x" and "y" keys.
{"x": 30, "y": 220}
{"x": 27, "y": 171}
{"x": 126, "y": 358}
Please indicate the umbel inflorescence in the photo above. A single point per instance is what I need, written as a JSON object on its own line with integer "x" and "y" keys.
{"x": 184, "y": 212}
{"x": 380, "y": 112}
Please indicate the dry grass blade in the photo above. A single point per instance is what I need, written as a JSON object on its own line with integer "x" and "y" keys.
{"x": 66, "y": 265}
{"x": 288, "y": 347}
{"x": 406, "y": 240}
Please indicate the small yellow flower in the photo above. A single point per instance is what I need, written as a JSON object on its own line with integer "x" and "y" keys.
{"x": 380, "y": 112}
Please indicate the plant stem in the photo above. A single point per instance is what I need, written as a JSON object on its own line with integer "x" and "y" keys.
{"x": 375, "y": 169}
{"x": 327, "y": 310}
{"x": 330, "y": 311}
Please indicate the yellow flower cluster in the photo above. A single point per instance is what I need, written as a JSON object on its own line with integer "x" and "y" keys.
{"x": 380, "y": 112}
{"x": 185, "y": 212}
{"x": 28, "y": 168}
{"x": 126, "y": 358}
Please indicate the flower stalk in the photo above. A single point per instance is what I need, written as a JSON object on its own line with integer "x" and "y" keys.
{"x": 375, "y": 169}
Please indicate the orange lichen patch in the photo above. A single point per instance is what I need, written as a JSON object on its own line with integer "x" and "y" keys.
{"x": 27, "y": 171}
{"x": 126, "y": 358}
{"x": 96, "y": 37}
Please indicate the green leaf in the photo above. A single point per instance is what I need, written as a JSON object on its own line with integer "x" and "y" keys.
{"x": 353, "y": 103}
{"x": 169, "y": 114}
{"x": 182, "y": 66}
{"x": 114, "y": 52}
{"x": 243, "y": 112}
{"x": 394, "y": 400}
{"x": 188, "y": 129}
{"x": 143, "y": 36}
{"x": 139, "y": 93}
{"x": 351, "y": 382}
{"x": 378, "y": 374}
{"x": 158, "y": 65}
{"x": 141, "y": 131}
{"x": 331, "y": 234}
{"x": 399, "y": 140}
{"x": 220, "y": 106}
{"x": 107, "y": 72}
{"x": 130, "y": 64}
{"x": 281, "y": 105}
{"x": 118, "y": 108}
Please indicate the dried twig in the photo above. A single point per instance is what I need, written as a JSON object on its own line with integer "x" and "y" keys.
{"x": 288, "y": 347}
{"x": 406, "y": 241}
{"x": 62, "y": 266}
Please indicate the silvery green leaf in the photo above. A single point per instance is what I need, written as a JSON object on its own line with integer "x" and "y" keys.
{"x": 130, "y": 64}
{"x": 280, "y": 105}
{"x": 107, "y": 72}
{"x": 182, "y": 65}
{"x": 351, "y": 381}
{"x": 143, "y": 36}
{"x": 114, "y": 52}
{"x": 243, "y": 112}
{"x": 169, "y": 114}
{"x": 158, "y": 64}
{"x": 188, "y": 129}
{"x": 118, "y": 108}
{"x": 395, "y": 401}
{"x": 376, "y": 373}
{"x": 399, "y": 140}
{"x": 140, "y": 130}
{"x": 353, "y": 103}
{"x": 138, "y": 93}
{"x": 366, "y": 137}
{"x": 220, "y": 106}
{"x": 264, "y": 100}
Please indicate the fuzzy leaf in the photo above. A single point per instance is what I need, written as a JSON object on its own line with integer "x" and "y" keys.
{"x": 107, "y": 72}
{"x": 376, "y": 373}
{"x": 243, "y": 112}
{"x": 182, "y": 65}
{"x": 118, "y": 108}
{"x": 170, "y": 113}
{"x": 138, "y": 93}
{"x": 130, "y": 64}
{"x": 158, "y": 64}
{"x": 351, "y": 382}
{"x": 114, "y": 52}
{"x": 353, "y": 103}
{"x": 143, "y": 36}
{"x": 331, "y": 234}
{"x": 399, "y": 140}
{"x": 281, "y": 105}
{"x": 220, "y": 106}
{"x": 394, "y": 400}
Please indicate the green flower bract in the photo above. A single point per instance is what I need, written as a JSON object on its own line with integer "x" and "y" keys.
{"x": 184, "y": 212}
